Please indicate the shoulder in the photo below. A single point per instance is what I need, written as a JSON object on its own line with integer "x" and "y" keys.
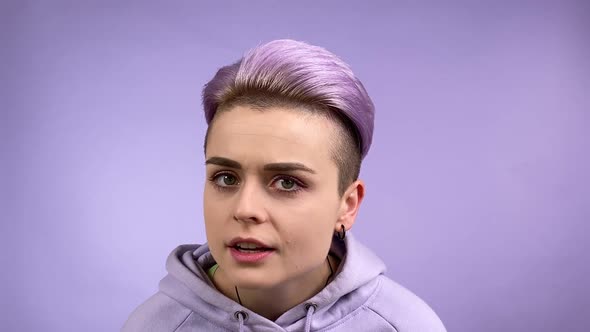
{"x": 158, "y": 313}
{"x": 403, "y": 309}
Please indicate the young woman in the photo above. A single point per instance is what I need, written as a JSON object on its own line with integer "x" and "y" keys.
{"x": 289, "y": 125}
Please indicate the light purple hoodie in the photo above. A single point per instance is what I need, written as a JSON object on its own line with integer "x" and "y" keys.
{"x": 360, "y": 298}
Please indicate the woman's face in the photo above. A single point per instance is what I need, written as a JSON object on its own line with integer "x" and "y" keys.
{"x": 271, "y": 179}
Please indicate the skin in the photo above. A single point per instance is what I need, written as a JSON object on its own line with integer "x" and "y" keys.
{"x": 294, "y": 210}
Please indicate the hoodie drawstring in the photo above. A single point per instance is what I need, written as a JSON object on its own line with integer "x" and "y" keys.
{"x": 241, "y": 316}
{"x": 311, "y": 308}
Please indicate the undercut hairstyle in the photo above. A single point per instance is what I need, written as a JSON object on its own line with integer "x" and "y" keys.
{"x": 297, "y": 75}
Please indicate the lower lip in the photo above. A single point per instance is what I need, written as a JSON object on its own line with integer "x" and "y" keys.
{"x": 249, "y": 257}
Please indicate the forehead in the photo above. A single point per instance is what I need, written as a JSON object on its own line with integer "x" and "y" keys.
{"x": 274, "y": 134}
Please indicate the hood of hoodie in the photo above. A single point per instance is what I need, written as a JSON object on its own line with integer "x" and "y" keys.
{"x": 187, "y": 283}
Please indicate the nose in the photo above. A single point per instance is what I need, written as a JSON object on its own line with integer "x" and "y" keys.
{"x": 250, "y": 205}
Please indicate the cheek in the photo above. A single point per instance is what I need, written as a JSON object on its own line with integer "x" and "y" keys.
{"x": 213, "y": 213}
{"x": 307, "y": 227}
{"x": 214, "y": 220}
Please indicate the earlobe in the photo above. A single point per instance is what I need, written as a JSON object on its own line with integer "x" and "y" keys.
{"x": 341, "y": 235}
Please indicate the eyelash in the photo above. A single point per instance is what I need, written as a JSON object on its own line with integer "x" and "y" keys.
{"x": 300, "y": 185}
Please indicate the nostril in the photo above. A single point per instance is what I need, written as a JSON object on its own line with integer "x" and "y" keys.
{"x": 245, "y": 219}
{"x": 251, "y": 218}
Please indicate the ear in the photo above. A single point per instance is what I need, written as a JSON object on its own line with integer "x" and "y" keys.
{"x": 350, "y": 204}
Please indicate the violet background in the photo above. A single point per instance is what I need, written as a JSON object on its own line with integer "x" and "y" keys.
{"x": 478, "y": 189}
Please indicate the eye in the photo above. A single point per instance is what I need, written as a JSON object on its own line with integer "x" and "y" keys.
{"x": 286, "y": 184}
{"x": 225, "y": 180}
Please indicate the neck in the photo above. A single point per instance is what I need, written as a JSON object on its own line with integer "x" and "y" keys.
{"x": 273, "y": 302}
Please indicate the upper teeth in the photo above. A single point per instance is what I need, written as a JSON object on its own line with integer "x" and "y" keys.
{"x": 245, "y": 245}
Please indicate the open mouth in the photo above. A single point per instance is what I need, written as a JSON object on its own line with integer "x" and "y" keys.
{"x": 250, "y": 247}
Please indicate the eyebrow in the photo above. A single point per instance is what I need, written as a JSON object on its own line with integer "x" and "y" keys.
{"x": 276, "y": 167}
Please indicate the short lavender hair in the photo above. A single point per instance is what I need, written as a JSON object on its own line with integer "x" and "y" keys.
{"x": 289, "y": 72}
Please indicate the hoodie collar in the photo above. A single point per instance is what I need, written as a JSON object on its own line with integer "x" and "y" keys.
{"x": 187, "y": 282}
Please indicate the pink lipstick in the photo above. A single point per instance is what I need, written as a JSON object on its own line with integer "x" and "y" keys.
{"x": 249, "y": 250}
